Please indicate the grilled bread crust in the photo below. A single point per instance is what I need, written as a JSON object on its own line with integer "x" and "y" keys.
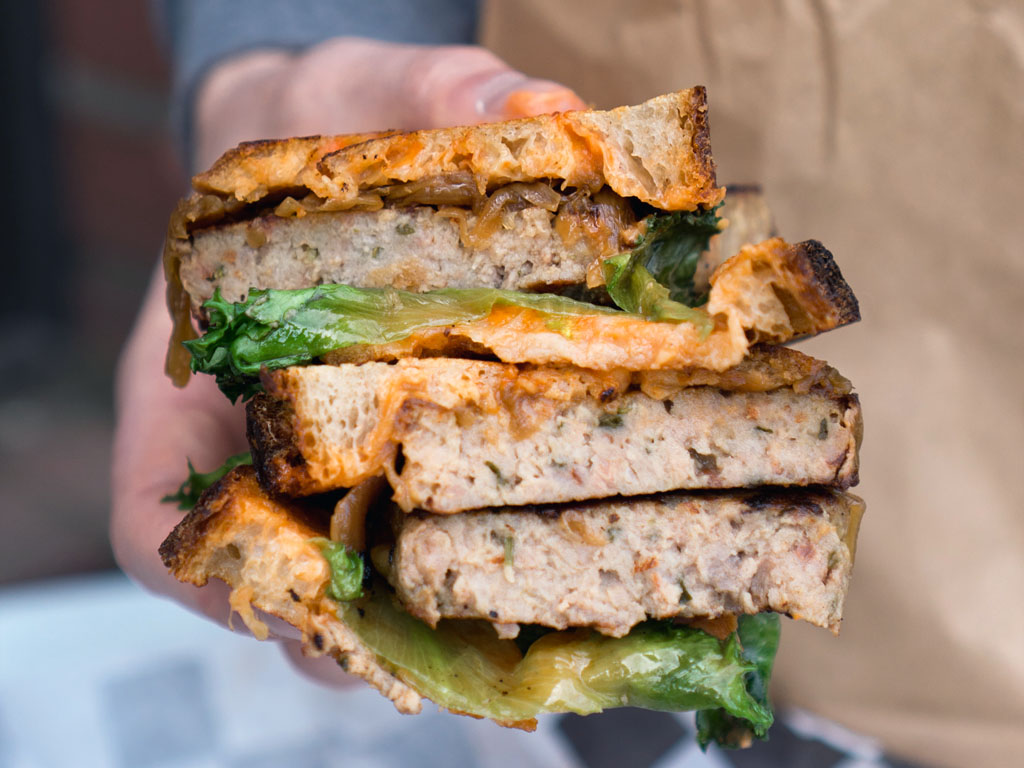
{"x": 261, "y": 547}
{"x": 658, "y": 152}
{"x": 257, "y": 169}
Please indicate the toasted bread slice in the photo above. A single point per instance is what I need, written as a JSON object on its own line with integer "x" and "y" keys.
{"x": 261, "y": 547}
{"x": 658, "y": 152}
{"x": 476, "y": 434}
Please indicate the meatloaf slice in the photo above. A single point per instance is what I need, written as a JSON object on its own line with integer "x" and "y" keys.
{"x": 414, "y": 248}
{"x": 613, "y": 564}
{"x": 477, "y": 434}
{"x": 421, "y": 248}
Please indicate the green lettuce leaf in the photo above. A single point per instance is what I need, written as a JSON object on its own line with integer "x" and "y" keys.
{"x": 281, "y": 328}
{"x": 672, "y": 247}
{"x": 463, "y": 666}
{"x": 347, "y": 570}
{"x": 634, "y": 289}
{"x": 655, "y": 279}
{"x": 759, "y": 636}
{"x": 276, "y": 329}
{"x": 189, "y": 491}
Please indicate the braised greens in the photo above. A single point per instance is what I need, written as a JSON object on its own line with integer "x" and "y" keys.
{"x": 276, "y": 329}
{"x": 656, "y": 278}
{"x": 281, "y": 328}
{"x": 347, "y": 570}
{"x": 463, "y": 666}
{"x": 759, "y": 636}
{"x": 189, "y": 491}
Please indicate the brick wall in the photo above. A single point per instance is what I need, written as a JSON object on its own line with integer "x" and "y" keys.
{"x": 117, "y": 160}
{"x": 91, "y": 176}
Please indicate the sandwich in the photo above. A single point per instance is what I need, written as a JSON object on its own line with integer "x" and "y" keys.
{"x": 525, "y": 434}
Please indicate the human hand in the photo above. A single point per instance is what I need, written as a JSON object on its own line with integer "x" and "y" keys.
{"x": 353, "y": 85}
{"x": 341, "y": 86}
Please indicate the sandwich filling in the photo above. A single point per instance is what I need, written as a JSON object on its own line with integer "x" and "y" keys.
{"x": 269, "y": 550}
{"x": 521, "y": 441}
{"x": 473, "y": 434}
{"x": 770, "y": 292}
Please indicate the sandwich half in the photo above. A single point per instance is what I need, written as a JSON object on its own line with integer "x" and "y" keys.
{"x": 523, "y": 435}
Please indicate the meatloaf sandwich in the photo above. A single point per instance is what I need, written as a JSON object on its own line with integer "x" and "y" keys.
{"x": 523, "y": 437}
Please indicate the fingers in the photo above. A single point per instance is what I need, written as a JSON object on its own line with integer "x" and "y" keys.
{"x": 466, "y": 84}
{"x": 158, "y": 427}
{"x": 353, "y": 85}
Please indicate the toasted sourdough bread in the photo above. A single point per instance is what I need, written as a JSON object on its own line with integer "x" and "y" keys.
{"x": 657, "y": 152}
{"x": 616, "y": 563}
{"x": 262, "y": 548}
{"x": 476, "y": 434}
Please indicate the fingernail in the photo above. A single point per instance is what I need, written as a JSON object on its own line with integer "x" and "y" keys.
{"x": 510, "y": 95}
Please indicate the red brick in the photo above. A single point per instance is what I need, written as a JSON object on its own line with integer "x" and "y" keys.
{"x": 118, "y": 190}
{"x": 114, "y": 36}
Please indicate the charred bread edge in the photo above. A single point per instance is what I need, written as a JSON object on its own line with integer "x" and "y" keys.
{"x": 829, "y": 281}
{"x": 315, "y": 615}
{"x": 190, "y": 531}
{"x": 276, "y": 457}
{"x": 701, "y": 143}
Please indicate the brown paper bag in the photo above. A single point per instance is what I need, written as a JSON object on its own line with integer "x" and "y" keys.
{"x": 894, "y": 133}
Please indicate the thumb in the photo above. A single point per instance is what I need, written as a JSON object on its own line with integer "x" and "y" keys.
{"x": 462, "y": 85}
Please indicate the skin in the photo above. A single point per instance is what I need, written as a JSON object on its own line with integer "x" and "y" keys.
{"x": 340, "y": 86}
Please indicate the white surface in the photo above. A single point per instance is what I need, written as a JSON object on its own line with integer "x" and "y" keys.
{"x": 96, "y": 672}
{"x": 77, "y": 658}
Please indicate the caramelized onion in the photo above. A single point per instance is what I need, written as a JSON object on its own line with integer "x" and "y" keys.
{"x": 605, "y": 221}
{"x": 348, "y": 522}
{"x": 290, "y": 207}
{"x": 459, "y": 188}
{"x": 512, "y": 197}
{"x": 720, "y": 626}
{"x": 364, "y": 201}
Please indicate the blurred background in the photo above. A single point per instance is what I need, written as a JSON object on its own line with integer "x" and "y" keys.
{"x": 92, "y": 170}
{"x": 91, "y": 175}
